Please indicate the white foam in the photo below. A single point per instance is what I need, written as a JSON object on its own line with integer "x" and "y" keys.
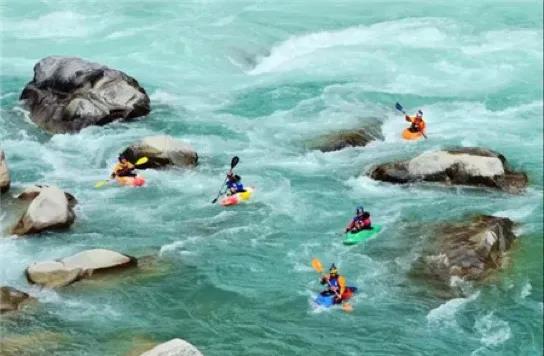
{"x": 526, "y": 290}
{"x": 57, "y": 24}
{"x": 420, "y": 33}
{"x": 493, "y": 330}
{"x": 445, "y": 314}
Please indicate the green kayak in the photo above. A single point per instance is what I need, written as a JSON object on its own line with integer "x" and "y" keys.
{"x": 355, "y": 238}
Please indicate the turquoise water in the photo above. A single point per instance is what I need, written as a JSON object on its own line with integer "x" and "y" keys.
{"x": 258, "y": 80}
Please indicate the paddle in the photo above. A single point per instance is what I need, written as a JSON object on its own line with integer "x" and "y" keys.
{"x": 234, "y": 161}
{"x": 139, "y": 162}
{"x": 318, "y": 267}
{"x": 401, "y": 109}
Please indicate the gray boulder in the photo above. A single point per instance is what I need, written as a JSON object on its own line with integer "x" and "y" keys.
{"x": 468, "y": 250}
{"x": 12, "y": 299}
{"x": 50, "y": 209}
{"x": 81, "y": 265}
{"x": 174, "y": 347}
{"x": 470, "y": 166}
{"x": 4, "y": 174}
{"x": 69, "y": 93}
{"x": 348, "y": 138}
{"x": 162, "y": 151}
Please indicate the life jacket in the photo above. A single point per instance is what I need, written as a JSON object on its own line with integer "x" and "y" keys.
{"x": 417, "y": 123}
{"x": 366, "y": 222}
{"x": 333, "y": 283}
{"x": 121, "y": 169}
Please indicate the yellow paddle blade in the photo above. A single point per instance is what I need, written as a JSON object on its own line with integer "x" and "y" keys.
{"x": 347, "y": 307}
{"x": 141, "y": 161}
{"x": 342, "y": 282}
{"x": 101, "y": 183}
{"x": 316, "y": 264}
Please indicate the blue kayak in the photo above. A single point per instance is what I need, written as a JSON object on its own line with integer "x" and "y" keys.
{"x": 328, "y": 300}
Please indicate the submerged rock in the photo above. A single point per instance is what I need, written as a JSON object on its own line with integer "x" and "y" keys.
{"x": 162, "y": 151}
{"x": 50, "y": 209}
{"x": 174, "y": 347}
{"x": 348, "y": 138}
{"x": 468, "y": 250}
{"x": 460, "y": 166}
{"x": 81, "y": 265}
{"x": 12, "y": 299}
{"x": 69, "y": 93}
{"x": 4, "y": 174}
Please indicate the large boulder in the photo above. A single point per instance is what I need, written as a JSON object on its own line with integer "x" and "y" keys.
{"x": 348, "y": 138}
{"x": 174, "y": 347}
{"x": 12, "y": 299}
{"x": 469, "y": 250}
{"x": 81, "y": 265}
{"x": 4, "y": 174}
{"x": 69, "y": 93}
{"x": 461, "y": 166}
{"x": 50, "y": 209}
{"x": 162, "y": 151}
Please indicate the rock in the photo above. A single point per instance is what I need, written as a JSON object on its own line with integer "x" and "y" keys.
{"x": 162, "y": 151}
{"x": 348, "y": 138}
{"x": 174, "y": 347}
{"x": 69, "y": 93}
{"x": 50, "y": 209}
{"x": 12, "y": 299}
{"x": 461, "y": 166}
{"x": 82, "y": 265}
{"x": 469, "y": 251}
{"x": 4, "y": 174}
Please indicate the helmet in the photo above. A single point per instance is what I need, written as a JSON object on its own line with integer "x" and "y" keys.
{"x": 419, "y": 113}
{"x": 333, "y": 270}
{"x": 359, "y": 210}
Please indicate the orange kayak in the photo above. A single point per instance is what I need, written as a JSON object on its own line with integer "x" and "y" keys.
{"x": 409, "y": 135}
{"x": 132, "y": 181}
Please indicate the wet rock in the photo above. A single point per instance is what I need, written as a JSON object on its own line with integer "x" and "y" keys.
{"x": 50, "y": 209}
{"x": 81, "y": 265}
{"x": 348, "y": 138}
{"x": 4, "y": 174}
{"x": 12, "y": 299}
{"x": 459, "y": 166}
{"x": 174, "y": 347}
{"x": 162, "y": 151}
{"x": 69, "y": 93}
{"x": 468, "y": 250}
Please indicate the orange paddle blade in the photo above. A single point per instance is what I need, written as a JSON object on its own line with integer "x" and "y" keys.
{"x": 316, "y": 264}
{"x": 347, "y": 307}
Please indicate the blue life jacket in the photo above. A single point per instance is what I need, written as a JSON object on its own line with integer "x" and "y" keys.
{"x": 333, "y": 282}
{"x": 239, "y": 187}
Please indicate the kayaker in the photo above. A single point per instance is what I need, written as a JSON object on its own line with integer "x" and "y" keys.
{"x": 361, "y": 221}
{"x": 418, "y": 124}
{"x": 333, "y": 285}
{"x": 234, "y": 183}
{"x": 123, "y": 168}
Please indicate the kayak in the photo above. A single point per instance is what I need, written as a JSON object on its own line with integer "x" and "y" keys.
{"x": 131, "y": 181}
{"x": 409, "y": 135}
{"x": 328, "y": 300}
{"x": 238, "y": 197}
{"x": 353, "y": 238}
